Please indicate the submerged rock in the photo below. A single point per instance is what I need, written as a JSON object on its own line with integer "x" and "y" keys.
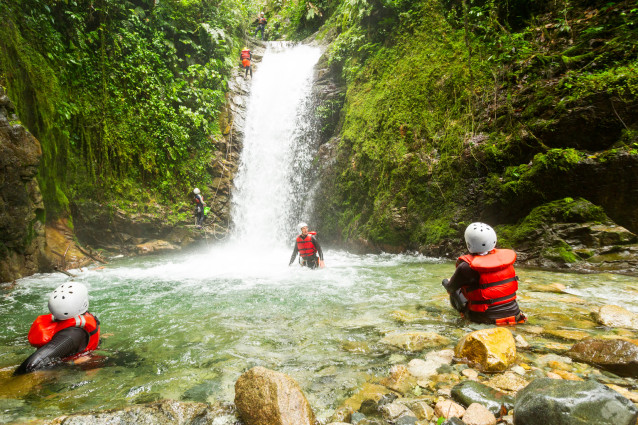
{"x": 266, "y": 397}
{"x": 424, "y": 369}
{"x": 448, "y": 409}
{"x": 557, "y": 402}
{"x": 165, "y": 412}
{"x": 468, "y": 392}
{"x": 616, "y": 317}
{"x": 400, "y": 380}
{"x": 494, "y": 349}
{"x": 617, "y": 356}
{"x": 414, "y": 341}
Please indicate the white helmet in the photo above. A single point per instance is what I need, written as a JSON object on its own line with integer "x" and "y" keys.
{"x": 480, "y": 238}
{"x": 302, "y": 225}
{"x": 196, "y": 191}
{"x": 69, "y": 300}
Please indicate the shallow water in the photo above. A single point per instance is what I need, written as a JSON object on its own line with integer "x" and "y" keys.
{"x": 185, "y": 327}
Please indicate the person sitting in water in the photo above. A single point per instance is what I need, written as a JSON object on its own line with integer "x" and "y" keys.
{"x": 483, "y": 286}
{"x": 68, "y": 331}
{"x": 308, "y": 247}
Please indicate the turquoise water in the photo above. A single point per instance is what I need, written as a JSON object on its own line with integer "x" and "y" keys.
{"x": 186, "y": 326}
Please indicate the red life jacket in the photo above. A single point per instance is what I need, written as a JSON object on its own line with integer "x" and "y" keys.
{"x": 305, "y": 246}
{"x": 245, "y": 57}
{"x": 44, "y": 327}
{"x": 498, "y": 281}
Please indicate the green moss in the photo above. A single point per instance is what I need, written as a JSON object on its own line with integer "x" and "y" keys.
{"x": 560, "y": 252}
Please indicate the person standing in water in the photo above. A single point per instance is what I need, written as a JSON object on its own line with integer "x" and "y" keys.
{"x": 246, "y": 57}
{"x": 483, "y": 286}
{"x": 69, "y": 330}
{"x": 198, "y": 200}
{"x": 308, "y": 248}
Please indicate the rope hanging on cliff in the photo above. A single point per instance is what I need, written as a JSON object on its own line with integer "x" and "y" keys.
{"x": 228, "y": 150}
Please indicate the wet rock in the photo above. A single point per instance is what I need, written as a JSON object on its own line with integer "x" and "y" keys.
{"x": 166, "y": 412}
{"x": 572, "y": 403}
{"x": 563, "y": 374}
{"x": 470, "y": 374}
{"x": 493, "y": 349}
{"x": 616, "y": 317}
{"x": 508, "y": 381}
{"x": 359, "y": 347}
{"x": 424, "y": 369}
{"x": 448, "y": 409}
{"x": 477, "y": 414}
{"x": 624, "y": 392}
{"x": 420, "y": 408}
{"x": 519, "y": 370}
{"x": 367, "y": 391}
{"x": 617, "y": 356}
{"x": 22, "y": 234}
{"x": 555, "y": 287}
{"x": 400, "y": 380}
{"x": 342, "y": 414}
{"x": 154, "y": 247}
{"x": 468, "y": 392}
{"x": 394, "y": 411}
{"x": 521, "y": 342}
{"x": 406, "y": 420}
{"x": 266, "y": 397}
{"x": 339, "y": 423}
{"x": 570, "y": 335}
{"x": 414, "y": 341}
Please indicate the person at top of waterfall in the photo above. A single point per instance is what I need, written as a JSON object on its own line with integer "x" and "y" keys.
{"x": 483, "y": 286}
{"x": 308, "y": 248}
{"x": 246, "y": 57}
{"x": 261, "y": 24}
{"x": 70, "y": 330}
{"x": 198, "y": 200}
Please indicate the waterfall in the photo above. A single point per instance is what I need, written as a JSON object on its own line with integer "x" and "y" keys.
{"x": 272, "y": 185}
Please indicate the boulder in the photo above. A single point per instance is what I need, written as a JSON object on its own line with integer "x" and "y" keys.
{"x": 414, "y": 341}
{"x": 165, "y": 412}
{"x": 266, "y": 397}
{"x": 493, "y": 349}
{"x": 469, "y": 392}
{"x": 477, "y": 414}
{"x": 616, "y": 317}
{"x": 617, "y": 356}
{"x": 572, "y": 403}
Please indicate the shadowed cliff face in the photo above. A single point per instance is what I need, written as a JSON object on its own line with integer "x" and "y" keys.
{"x": 21, "y": 208}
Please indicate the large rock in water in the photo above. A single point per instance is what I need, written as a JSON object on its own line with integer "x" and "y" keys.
{"x": 165, "y": 412}
{"x": 266, "y": 397}
{"x": 550, "y": 401}
{"x": 617, "y": 356}
{"x": 493, "y": 349}
{"x": 616, "y": 316}
{"x": 21, "y": 207}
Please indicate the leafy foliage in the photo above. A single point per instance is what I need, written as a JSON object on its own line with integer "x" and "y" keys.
{"x": 125, "y": 94}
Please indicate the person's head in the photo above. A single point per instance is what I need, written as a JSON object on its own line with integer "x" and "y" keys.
{"x": 245, "y": 48}
{"x": 480, "y": 238}
{"x": 303, "y": 227}
{"x": 196, "y": 191}
{"x": 69, "y": 300}
{"x": 261, "y": 14}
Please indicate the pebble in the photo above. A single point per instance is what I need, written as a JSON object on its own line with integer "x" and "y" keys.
{"x": 520, "y": 370}
{"x": 448, "y": 409}
{"x": 477, "y": 414}
{"x": 470, "y": 374}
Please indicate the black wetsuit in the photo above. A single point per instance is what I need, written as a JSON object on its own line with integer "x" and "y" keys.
{"x": 199, "y": 209}
{"x": 465, "y": 276}
{"x": 261, "y": 26}
{"x": 311, "y": 261}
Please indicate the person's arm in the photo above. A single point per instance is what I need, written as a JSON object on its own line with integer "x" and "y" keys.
{"x": 463, "y": 276}
{"x": 294, "y": 254}
{"x": 317, "y": 247}
{"x": 319, "y": 251}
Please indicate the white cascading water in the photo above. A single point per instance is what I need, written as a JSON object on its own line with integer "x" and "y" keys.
{"x": 270, "y": 183}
